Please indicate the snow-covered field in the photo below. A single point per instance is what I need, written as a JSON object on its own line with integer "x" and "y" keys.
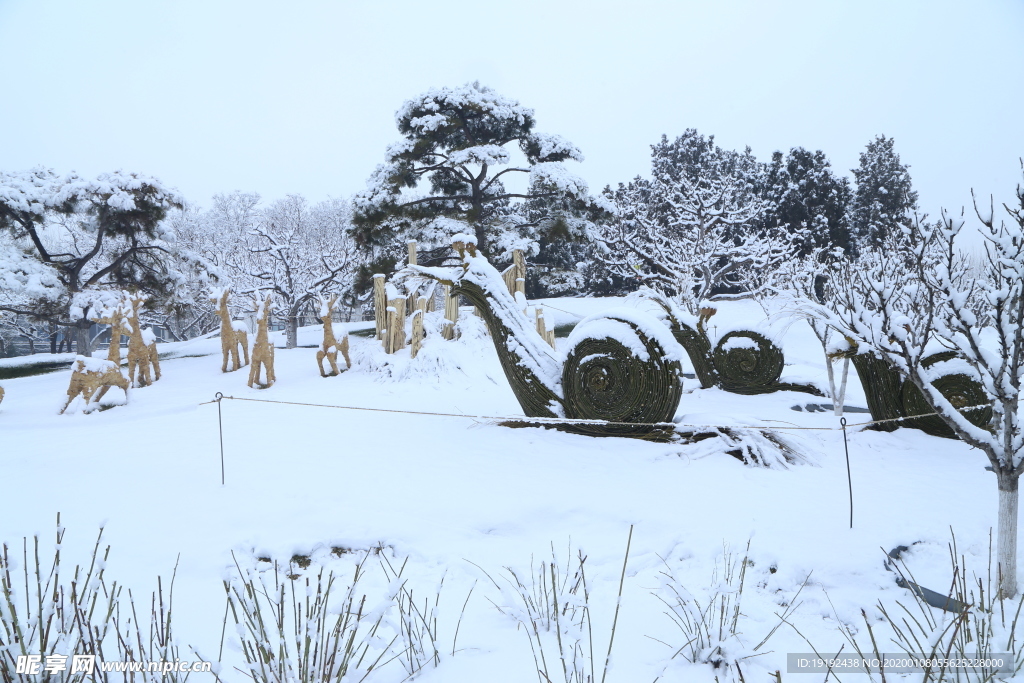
{"x": 465, "y": 498}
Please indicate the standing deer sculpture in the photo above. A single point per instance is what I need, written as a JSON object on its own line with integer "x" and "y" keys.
{"x": 330, "y": 346}
{"x": 232, "y": 332}
{"x": 143, "y": 358}
{"x": 262, "y": 348}
{"x": 115, "y": 317}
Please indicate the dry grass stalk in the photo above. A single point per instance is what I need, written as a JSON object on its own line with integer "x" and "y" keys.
{"x": 380, "y": 304}
{"x": 262, "y": 348}
{"x": 232, "y": 333}
{"x": 143, "y": 358}
{"x": 330, "y": 346}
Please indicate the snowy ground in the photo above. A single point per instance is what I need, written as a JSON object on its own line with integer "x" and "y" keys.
{"x": 463, "y": 496}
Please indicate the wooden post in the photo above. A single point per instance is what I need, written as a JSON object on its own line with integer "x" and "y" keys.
{"x": 417, "y": 327}
{"x": 380, "y": 304}
{"x": 519, "y": 261}
{"x": 413, "y": 295}
{"x": 395, "y": 337}
{"x": 509, "y": 276}
{"x": 451, "y": 313}
{"x": 515, "y": 275}
{"x": 542, "y": 328}
{"x": 432, "y": 292}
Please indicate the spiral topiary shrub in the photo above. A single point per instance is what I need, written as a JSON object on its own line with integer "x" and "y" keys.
{"x": 959, "y": 388}
{"x": 748, "y": 362}
{"x": 615, "y": 371}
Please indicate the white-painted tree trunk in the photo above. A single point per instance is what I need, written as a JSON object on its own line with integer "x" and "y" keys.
{"x": 1006, "y": 542}
{"x": 831, "y": 382}
{"x": 839, "y": 400}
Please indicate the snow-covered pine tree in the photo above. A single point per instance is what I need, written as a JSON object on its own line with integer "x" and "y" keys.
{"x": 807, "y": 200}
{"x": 103, "y": 233}
{"x": 461, "y": 141}
{"x": 884, "y": 200}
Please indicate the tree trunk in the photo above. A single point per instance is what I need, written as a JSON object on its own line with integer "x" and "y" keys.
{"x": 291, "y": 325}
{"x": 698, "y": 348}
{"x": 53, "y": 338}
{"x": 83, "y": 340}
{"x": 1006, "y": 539}
{"x": 832, "y": 385}
{"x": 882, "y": 388}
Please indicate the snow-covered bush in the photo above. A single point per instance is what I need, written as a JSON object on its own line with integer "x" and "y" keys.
{"x": 710, "y": 620}
{"x": 552, "y": 604}
{"x": 976, "y": 625}
{"x": 300, "y": 622}
{"x": 45, "y": 612}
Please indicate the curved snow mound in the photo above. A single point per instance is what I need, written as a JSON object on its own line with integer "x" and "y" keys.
{"x": 469, "y": 357}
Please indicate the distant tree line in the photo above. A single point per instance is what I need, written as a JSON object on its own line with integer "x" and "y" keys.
{"x": 707, "y": 222}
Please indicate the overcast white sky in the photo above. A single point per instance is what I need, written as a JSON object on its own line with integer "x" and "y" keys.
{"x": 300, "y": 97}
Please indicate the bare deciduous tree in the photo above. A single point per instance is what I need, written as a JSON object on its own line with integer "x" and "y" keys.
{"x": 918, "y": 293}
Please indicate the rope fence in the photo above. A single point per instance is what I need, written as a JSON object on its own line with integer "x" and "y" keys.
{"x": 569, "y": 421}
{"x": 540, "y": 421}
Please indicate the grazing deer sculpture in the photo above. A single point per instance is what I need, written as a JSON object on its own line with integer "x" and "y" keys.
{"x": 330, "y": 347}
{"x": 262, "y": 348}
{"x": 232, "y": 332}
{"x": 89, "y": 375}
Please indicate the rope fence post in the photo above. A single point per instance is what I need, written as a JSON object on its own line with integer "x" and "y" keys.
{"x": 220, "y": 427}
{"x": 849, "y": 479}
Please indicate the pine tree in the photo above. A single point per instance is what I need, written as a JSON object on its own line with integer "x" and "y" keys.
{"x": 884, "y": 199}
{"x": 808, "y": 200}
{"x": 460, "y": 141}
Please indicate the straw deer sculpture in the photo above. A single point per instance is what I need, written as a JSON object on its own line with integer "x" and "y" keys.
{"x": 115, "y": 317}
{"x": 232, "y": 332}
{"x": 1, "y": 394}
{"x": 262, "y": 348}
{"x": 143, "y": 359}
{"x": 330, "y": 347}
{"x": 89, "y": 375}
